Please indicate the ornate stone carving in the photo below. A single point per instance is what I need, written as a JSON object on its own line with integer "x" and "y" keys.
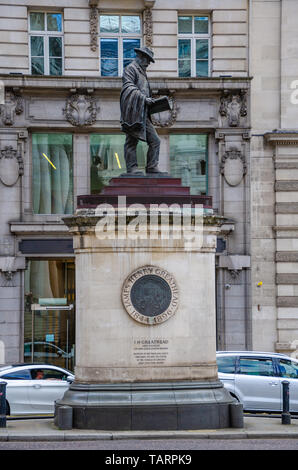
{"x": 233, "y": 166}
{"x": 148, "y": 26}
{"x": 81, "y": 110}
{"x": 233, "y": 106}
{"x": 9, "y": 265}
{"x": 13, "y": 105}
{"x": 166, "y": 118}
{"x": 93, "y": 26}
{"x": 11, "y": 166}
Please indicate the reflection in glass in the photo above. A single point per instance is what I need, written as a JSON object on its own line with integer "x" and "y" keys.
{"x": 52, "y": 187}
{"x": 130, "y": 24}
{"x": 55, "y": 47}
{"x": 55, "y": 66}
{"x": 184, "y": 24}
{"x": 53, "y": 334}
{"x": 37, "y": 66}
{"x": 107, "y": 158}
{"x": 201, "y": 24}
{"x": 54, "y": 21}
{"x": 128, "y": 50}
{"x": 37, "y": 21}
{"x": 109, "y": 67}
{"x": 189, "y": 161}
{"x": 184, "y": 68}
{"x": 37, "y": 48}
{"x": 202, "y": 49}
{"x": 109, "y": 48}
{"x": 109, "y": 24}
{"x": 184, "y": 48}
{"x": 202, "y": 68}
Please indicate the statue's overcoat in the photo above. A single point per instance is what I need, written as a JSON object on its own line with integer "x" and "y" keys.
{"x": 134, "y": 110}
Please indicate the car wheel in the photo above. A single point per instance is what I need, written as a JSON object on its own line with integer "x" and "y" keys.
{"x": 7, "y": 409}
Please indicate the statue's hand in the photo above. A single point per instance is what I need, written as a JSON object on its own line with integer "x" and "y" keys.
{"x": 149, "y": 101}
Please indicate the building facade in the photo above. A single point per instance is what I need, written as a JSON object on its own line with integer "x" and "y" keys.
{"x": 60, "y": 137}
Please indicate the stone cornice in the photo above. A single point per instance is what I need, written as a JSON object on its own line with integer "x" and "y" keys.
{"x": 282, "y": 137}
{"x": 93, "y": 83}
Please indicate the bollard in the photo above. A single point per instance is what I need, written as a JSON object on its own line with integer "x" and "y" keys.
{"x": 64, "y": 417}
{"x": 3, "y": 404}
{"x": 236, "y": 415}
{"x": 285, "y": 416}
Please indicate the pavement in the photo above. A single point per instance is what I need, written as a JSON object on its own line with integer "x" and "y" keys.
{"x": 41, "y": 429}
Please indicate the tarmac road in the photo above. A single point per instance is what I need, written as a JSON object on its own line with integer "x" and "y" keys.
{"x": 153, "y": 446}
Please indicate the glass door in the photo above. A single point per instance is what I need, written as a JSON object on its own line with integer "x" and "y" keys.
{"x": 49, "y": 323}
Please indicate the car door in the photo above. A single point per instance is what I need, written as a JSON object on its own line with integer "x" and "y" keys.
{"x": 17, "y": 391}
{"x": 289, "y": 371}
{"x": 43, "y": 392}
{"x": 257, "y": 384}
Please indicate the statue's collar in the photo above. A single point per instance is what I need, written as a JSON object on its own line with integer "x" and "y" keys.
{"x": 140, "y": 69}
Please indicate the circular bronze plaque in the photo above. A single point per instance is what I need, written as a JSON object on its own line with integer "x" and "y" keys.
{"x": 150, "y": 295}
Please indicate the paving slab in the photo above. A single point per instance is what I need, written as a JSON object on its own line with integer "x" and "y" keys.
{"x": 44, "y": 430}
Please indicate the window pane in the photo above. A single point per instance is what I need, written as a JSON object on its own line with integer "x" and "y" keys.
{"x": 130, "y": 24}
{"x": 109, "y": 48}
{"x": 188, "y": 161}
{"x": 37, "y": 21}
{"x": 184, "y": 24}
{"x": 54, "y": 21}
{"x": 202, "y": 49}
{"x": 52, "y": 187}
{"x": 184, "y": 48}
{"x": 260, "y": 367}
{"x": 55, "y": 47}
{"x": 55, "y": 66}
{"x": 226, "y": 364}
{"x": 201, "y": 24}
{"x": 288, "y": 368}
{"x": 18, "y": 375}
{"x": 202, "y": 69}
{"x": 184, "y": 68}
{"x": 109, "y": 24}
{"x": 109, "y": 67}
{"x": 37, "y": 48}
{"x": 107, "y": 158}
{"x": 37, "y": 66}
{"x": 129, "y": 46}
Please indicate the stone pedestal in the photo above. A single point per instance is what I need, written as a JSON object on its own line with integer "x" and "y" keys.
{"x": 145, "y": 331}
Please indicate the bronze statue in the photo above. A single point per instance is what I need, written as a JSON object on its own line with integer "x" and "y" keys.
{"x": 135, "y": 103}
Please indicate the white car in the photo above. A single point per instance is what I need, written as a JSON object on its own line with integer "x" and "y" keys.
{"x": 33, "y": 388}
{"x": 255, "y": 379}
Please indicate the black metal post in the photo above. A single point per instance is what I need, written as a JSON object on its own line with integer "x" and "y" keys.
{"x": 3, "y": 404}
{"x": 285, "y": 416}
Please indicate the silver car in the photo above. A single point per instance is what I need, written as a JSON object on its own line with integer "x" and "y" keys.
{"x": 255, "y": 379}
{"x": 33, "y": 388}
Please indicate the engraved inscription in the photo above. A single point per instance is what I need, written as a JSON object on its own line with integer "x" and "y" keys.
{"x": 150, "y": 295}
{"x": 148, "y": 351}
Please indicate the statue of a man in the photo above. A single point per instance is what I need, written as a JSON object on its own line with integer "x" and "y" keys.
{"x": 135, "y": 101}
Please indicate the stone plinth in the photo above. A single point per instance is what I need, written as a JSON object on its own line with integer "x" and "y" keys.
{"x": 145, "y": 345}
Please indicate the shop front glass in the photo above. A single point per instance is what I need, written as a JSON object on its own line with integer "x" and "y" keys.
{"x": 49, "y": 335}
{"x": 107, "y": 158}
{"x": 189, "y": 161}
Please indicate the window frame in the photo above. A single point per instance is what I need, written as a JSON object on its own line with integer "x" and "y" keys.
{"x": 119, "y": 36}
{"x": 46, "y": 35}
{"x": 193, "y": 37}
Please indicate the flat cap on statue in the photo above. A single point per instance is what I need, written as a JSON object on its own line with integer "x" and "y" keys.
{"x": 146, "y": 51}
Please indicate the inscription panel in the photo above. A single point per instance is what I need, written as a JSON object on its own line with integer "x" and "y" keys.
{"x": 150, "y": 295}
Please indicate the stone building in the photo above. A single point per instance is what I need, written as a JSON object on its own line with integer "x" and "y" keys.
{"x": 230, "y": 135}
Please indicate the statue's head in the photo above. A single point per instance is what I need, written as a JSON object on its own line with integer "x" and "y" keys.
{"x": 144, "y": 56}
